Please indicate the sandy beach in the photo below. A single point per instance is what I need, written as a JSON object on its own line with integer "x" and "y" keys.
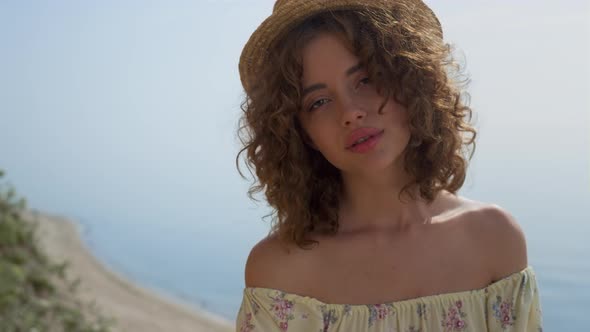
{"x": 136, "y": 309}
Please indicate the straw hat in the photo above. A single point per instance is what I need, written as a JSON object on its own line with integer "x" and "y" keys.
{"x": 287, "y": 14}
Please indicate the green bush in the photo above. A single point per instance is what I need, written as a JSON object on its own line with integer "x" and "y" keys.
{"x": 34, "y": 292}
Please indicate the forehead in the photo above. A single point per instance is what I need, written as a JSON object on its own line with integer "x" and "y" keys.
{"x": 324, "y": 55}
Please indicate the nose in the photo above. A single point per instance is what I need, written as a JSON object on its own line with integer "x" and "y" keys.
{"x": 352, "y": 111}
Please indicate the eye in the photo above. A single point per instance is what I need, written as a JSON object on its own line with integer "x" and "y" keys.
{"x": 365, "y": 81}
{"x": 318, "y": 104}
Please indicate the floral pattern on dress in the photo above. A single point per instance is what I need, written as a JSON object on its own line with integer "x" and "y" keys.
{"x": 504, "y": 312}
{"x": 255, "y": 307}
{"x": 282, "y": 309}
{"x": 495, "y": 308}
{"x": 453, "y": 319}
{"x": 246, "y": 325}
{"x": 379, "y": 312}
{"x": 421, "y": 310}
{"x": 347, "y": 309}
{"x": 329, "y": 317}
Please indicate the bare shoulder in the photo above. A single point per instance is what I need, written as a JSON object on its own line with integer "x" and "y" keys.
{"x": 269, "y": 263}
{"x": 502, "y": 240}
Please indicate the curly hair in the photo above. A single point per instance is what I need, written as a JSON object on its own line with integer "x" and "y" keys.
{"x": 407, "y": 59}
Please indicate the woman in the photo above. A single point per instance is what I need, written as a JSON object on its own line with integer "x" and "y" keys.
{"x": 355, "y": 124}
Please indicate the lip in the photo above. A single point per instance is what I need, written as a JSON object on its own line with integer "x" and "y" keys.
{"x": 367, "y": 145}
{"x": 359, "y": 133}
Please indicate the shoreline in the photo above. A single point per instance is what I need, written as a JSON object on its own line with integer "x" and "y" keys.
{"x": 134, "y": 307}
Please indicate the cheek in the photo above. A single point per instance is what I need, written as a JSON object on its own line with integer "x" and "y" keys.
{"x": 327, "y": 143}
{"x": 317, "y": 131}
{"x": 398, "y": 112}
{"x": 396, "y": 117}
{"x": 322, "y": 140}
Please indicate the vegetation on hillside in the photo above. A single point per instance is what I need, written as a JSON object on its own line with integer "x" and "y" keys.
{"x": 35, "y": 294}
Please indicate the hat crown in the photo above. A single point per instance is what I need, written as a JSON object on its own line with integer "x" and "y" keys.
{"x": 278, "y": 4}
{"x": 287, "y": 13}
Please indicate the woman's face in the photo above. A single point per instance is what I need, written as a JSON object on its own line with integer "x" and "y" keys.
{"x": 338, "y": 98}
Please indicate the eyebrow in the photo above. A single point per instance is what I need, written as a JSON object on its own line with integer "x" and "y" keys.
{"x": 319, "y": 86}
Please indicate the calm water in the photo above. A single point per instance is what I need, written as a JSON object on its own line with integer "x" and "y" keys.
{"x": 123, "y": 117}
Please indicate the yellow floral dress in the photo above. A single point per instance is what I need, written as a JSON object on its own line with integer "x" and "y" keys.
{"x": 509, "y": 304}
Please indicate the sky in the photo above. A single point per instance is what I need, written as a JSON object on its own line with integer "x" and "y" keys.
{"x": 141, "y": 98}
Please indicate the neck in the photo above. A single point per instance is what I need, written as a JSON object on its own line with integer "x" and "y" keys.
{"x": 372, "y": 203}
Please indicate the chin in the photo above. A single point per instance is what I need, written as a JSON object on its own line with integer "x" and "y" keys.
{"x": 371, "y": 166}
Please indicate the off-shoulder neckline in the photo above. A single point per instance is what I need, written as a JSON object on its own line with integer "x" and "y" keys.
{"x": 455, "y": 295}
